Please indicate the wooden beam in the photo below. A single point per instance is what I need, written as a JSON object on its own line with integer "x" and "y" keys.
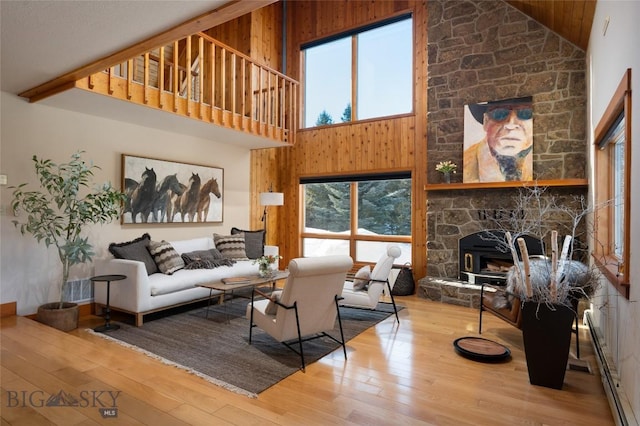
{"x": 224, "y": 13}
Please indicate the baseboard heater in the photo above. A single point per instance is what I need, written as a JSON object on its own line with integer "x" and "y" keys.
{"x": 622, "y": 414}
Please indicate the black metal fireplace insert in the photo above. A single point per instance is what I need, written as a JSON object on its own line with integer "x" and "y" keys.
{"x": 483, "y": 259}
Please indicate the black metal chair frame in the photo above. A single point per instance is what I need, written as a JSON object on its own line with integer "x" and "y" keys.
{"x": 290, "y": 344}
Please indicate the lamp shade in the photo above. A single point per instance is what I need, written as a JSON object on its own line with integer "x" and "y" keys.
{"x": 271, "y": 199}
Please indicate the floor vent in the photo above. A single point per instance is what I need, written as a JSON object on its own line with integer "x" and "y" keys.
{"x": 78, "y": 291}
{"x": 620, "y": 407}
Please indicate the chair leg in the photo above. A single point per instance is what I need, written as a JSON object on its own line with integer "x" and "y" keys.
{"x": 251, "y": 318}
{"x": 393, "y": 301}
{"x": 577, "y": 331}
{"x": 480, "y": 319}
{"x": 295, "y": 308}
{"x": 344, "y": 348}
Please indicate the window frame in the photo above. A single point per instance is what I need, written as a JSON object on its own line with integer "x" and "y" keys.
{"x": 613, "y": 267}
{"x": 353, "y": 33}
{"x": 353, "y": 237}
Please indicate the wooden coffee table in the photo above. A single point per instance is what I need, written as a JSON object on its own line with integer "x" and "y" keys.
{"x": 229, "y": 285}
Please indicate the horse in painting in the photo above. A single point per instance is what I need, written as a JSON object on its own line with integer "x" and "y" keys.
{"x": 204, "y": 200}
{"x": 129, "y": 186}
{"x": 143, "y": 195}
{"x": 162, "y": 206}
{"x": 187, "y": 203}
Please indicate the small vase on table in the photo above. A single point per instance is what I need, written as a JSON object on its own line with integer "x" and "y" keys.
{"x": 447, "y": 177}
{"x": 265, "y": 270}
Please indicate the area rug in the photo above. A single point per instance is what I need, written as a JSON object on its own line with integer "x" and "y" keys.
{"x": 216, "y": 346}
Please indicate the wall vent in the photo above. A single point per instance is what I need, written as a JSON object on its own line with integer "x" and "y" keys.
{"x": 78, "y": 291}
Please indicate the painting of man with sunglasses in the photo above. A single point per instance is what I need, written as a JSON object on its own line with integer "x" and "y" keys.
{"x": 502, "y": 151}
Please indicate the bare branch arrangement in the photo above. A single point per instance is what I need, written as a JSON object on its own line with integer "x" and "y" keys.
{"x": 559, "y": 277}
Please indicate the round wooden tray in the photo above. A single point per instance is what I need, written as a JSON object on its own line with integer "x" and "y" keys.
{"x": 479, "y": 349}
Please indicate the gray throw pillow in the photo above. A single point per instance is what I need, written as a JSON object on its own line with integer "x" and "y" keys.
{"x": 253, "y": 242}
{"x": 135, "y": 250}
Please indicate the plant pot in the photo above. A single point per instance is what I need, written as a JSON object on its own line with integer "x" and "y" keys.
{"x": 65, "y": 318}
{"x": 547, "y": 336}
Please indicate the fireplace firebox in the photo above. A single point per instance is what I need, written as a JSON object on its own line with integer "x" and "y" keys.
{"x": 483, "y": 259}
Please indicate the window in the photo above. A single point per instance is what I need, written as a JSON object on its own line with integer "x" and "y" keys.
{"x": 363, "y": 74}
{"x": 612, "y": 189}
{"x": 358, "y": 217}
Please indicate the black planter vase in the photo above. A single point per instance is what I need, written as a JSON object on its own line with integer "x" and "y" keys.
{"x": 546, "y": 332}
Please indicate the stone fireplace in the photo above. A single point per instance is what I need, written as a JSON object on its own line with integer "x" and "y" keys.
{"x": 457, "y": 214}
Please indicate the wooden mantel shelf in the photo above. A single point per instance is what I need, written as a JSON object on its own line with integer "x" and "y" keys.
{"x": 511, "y": 184}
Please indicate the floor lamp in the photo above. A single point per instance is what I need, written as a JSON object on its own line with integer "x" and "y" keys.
{"x": 270, "y": 199}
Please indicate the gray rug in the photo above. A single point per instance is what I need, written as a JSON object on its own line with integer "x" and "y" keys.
{"x": 219, "y": 351}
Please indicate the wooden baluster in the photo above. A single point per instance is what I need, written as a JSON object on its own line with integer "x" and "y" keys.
{"x": 145, "y": 86}
{"x": 176, "y": 77}
{"x": 267, "y": 118}
{"x": 161, "y": 78}
{"x": 187, "y": 75}
{"x": 130, "y": 63}
{"x": 200, "y": 74}
{"x": 233, "y": 88}
{"x": 223, "y": 80}
{"x": 243, "y": 86}
{"x": 212, "y": 77}
{"x": 259, "y": 100}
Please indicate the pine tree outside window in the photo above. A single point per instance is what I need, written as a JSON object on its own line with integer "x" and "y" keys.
{"x": 357, "y": 217}
{"x": 363, "y": 74}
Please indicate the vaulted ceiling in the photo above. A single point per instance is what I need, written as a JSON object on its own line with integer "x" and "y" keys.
{"x": 45, "y": 39}
{"x": 572, "y": 19}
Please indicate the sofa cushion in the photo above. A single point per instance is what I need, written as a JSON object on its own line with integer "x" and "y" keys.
{"x": 361, "y": 278}
{"x": 253, "y": 242}
{"x": 193, "y": 244}
{"x": 205, "y": 259}
{"x": 166, "y": 257}
{"x": 231, "y": 246}
{"x": 185, "y": 279}
{"x": 135, "y": 250}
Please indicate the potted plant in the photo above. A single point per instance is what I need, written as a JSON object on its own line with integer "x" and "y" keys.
{"x": 57, "y": 213}
{"x": 549, "y": 287}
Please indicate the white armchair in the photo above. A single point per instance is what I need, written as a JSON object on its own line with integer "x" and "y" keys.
{"x": 306, "y": 307}
{"x": 369, "y": 297}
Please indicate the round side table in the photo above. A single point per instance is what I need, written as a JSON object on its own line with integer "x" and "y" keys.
{"x": 107, "y": 313}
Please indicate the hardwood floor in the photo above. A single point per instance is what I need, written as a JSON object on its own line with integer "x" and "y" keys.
{"x": 407, "y": 374}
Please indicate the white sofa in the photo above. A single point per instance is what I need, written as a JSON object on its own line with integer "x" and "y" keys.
{"x": 140, "y": 294}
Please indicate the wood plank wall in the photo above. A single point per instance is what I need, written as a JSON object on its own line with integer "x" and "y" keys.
{"x": 394, "y": 144}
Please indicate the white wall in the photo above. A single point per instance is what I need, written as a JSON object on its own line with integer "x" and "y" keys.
{"x": 28, "y": 129}
{"x": 608, "y": 57}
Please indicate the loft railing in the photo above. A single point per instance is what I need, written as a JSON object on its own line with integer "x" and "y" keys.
{"x": 202, "y": 78}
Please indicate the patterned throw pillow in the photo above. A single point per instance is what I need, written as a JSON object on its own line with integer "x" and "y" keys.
{"x": 361, "y": 279}
{"x": 135, "y": 250}
{"x": 253, "y": 242}
{"x": 166, "y": 257}
{"x": 231, "y": 246}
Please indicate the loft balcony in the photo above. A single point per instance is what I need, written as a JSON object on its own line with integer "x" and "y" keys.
{"x": 200, "y": 78}
{"x": 227, "y": 95}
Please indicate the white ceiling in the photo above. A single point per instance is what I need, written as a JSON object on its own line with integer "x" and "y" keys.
{"x": 43, "y": 39}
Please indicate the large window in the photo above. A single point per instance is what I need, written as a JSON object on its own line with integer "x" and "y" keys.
{"x": 359, "y": 75}
{"x": 612, "y": 189}
{"x": 358, "y": 217}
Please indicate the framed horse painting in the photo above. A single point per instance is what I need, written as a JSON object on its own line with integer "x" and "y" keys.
{"x": 161, "y": 191}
